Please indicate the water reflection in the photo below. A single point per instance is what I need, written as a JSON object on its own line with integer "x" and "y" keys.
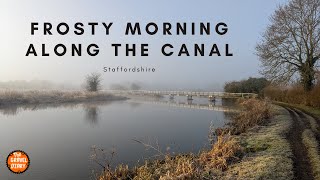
{"x": 227, "y": 106}
{"x": 91, "y": 109}
{"x": 135, "y": 104}
{"x": 9, "y": 111}
{"x": 229, "y": 103}
{"x": 212, "y": 103}
{"x": 13, "y": 110}
{"x": 91, "y": 113}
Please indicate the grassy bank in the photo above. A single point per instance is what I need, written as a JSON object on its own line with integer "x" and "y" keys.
{"x": 268, "y": 153}
{"x": 256, "y": 150}
{"x": 8, "y": 98}
{"x": 307, "y": 109}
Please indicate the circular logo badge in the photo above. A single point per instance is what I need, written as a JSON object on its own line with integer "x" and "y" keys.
{"x": 18, "y": 161}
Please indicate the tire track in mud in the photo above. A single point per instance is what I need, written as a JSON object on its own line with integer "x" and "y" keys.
{"x": 304, "y": 117}
{"x": 301, "y": 162}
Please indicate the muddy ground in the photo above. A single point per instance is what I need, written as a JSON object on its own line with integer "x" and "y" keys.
{"x": 302, "y": 121}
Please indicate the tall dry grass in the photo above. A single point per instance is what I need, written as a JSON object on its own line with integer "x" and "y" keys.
{"x": 225, "y": 151}
{"x": 256, "y": 112}
{"x": 294, "y": 95}
{"x": 120, "y": 172}
{"x": 178, "y": 167}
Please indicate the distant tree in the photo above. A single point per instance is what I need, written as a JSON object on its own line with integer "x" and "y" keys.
{"x": 93, "y": 82}
{"x": 251, "y": 85}
{"x": 233, "y": 87}
{"x": 135, "y": 86}
{"x": 290, "y": 47}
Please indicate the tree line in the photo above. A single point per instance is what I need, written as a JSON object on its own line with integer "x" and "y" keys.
{"x": 251, "y": 85}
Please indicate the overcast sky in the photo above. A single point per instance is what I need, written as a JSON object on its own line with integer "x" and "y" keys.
{"x": 246, "y": 19}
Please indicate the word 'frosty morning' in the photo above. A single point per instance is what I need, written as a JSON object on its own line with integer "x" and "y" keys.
{"x": 131, "y": 29}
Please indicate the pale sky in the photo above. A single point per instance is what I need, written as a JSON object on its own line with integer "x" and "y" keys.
{"x": 246, "y": 19}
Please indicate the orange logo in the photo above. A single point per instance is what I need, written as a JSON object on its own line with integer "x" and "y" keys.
{"x": 18, "y": 161}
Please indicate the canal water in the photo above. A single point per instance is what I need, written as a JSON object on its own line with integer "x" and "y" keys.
{"x": 60, "y": 139}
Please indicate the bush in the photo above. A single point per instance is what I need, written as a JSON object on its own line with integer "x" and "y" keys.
{"x": 256, "y": 112}
{"x": 93, "y": 82}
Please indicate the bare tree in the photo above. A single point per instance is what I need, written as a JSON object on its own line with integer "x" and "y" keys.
{"x": 318, "y": 78}
{"x": 290, "y": 46}
{"x": 93, "y": 82}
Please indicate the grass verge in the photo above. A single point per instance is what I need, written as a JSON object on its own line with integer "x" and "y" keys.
{"x": 306, "y": 109}
{"x": 268, "y": 153}
{"x": 312, "y": 146}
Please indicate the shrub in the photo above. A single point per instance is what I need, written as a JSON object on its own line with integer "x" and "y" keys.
{"x": 93, "y": 82}
{"x": 256, "y": 112}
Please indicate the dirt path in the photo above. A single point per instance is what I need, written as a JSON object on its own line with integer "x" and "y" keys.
{"x": 301, "y": 163}
{"x": 303, "y": 116}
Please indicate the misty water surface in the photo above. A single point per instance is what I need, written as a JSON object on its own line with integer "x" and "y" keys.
{"x": 59, "y": 138}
